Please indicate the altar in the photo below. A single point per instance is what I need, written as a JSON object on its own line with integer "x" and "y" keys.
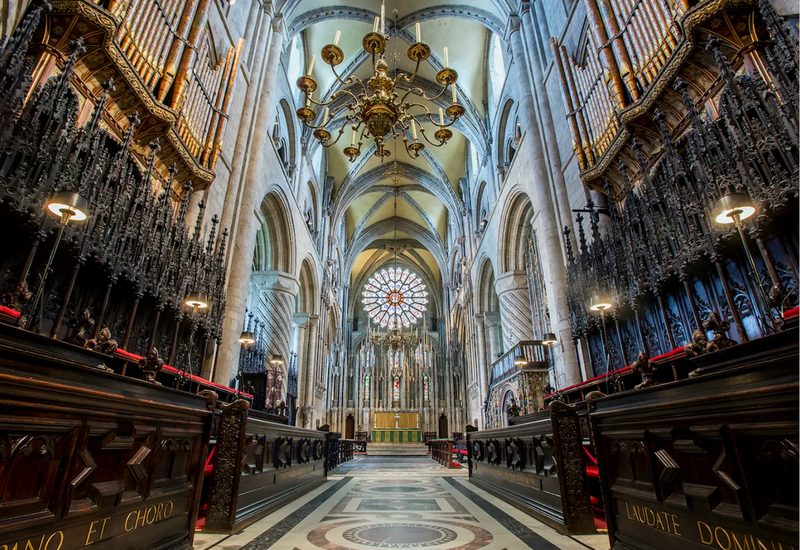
{"x": 396, "y": 427}
{"x": 396, "y": 435}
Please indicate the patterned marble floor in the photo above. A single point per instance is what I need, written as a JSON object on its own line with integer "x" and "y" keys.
{"x": 408, "y": 502}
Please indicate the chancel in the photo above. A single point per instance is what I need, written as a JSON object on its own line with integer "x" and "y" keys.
{"x": 452, "y": 274}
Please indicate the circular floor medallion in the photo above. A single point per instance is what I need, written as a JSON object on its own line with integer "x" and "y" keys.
{"x": 400, "y": 535}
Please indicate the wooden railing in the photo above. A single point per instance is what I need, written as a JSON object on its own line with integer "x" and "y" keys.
{"x": 258, "y": 466}
{"x": 538, "y": 466}
{"x": 442, "y": 451}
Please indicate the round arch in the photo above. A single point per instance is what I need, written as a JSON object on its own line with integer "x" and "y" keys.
{"x": 514, "y": 231}
{"x": 307, "y": 301}
{"x": 275, "y": 245}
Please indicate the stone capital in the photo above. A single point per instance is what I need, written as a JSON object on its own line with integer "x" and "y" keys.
{"x": 511, "y": 280}
{"x": 277, "y": 281}
{"x": 299, "y": 319}
{"x": 512, "y": 26}
{"x": 313, "y": 320}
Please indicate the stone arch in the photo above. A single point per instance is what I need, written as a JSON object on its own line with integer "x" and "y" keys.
{"x": 307, "y": 301}
{"x": 287, "y": 136}
{"x": 503, "y": 132}
{"x": 275, "y": 246}
{"x": 514, "y": 231}
{"x": 311, "y": 208}
{"x": 487, "y": 296}
{"x": 482, "y": 204}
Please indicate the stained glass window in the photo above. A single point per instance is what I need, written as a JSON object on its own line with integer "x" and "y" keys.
{"x": 366, "y": 388}
{"x": 395, "y": 298}
{"x": 426, "y": 392}
{"x": 396, "y": 390}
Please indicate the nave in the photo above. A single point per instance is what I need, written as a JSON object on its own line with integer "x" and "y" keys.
{"x": 398, "y": 502}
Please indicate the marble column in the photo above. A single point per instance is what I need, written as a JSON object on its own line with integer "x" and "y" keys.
{"x": 536, "y": 182}
{"x": 243, "y": 246}
{"x": 515, "y": 307}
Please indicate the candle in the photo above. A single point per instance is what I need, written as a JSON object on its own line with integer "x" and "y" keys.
{"x": 441, "y": 116}
{"x": 353, "y": 138}
{"x": 419, "y": 33}
{"x": 414, "y": 129}
{"x": 455, "y": 97}
{"x": 311, "y": 65}
{"x": 446, "y": 58}
{"x": 383, "y": 17}
{"x": 336, "y": 38}
{"x": 375, "y": 26}
{"x": 308, "y": 100}
{"x": 325, "y": 118}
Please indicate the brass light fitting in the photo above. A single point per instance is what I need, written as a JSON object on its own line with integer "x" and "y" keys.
{"x": 377, "y": 111}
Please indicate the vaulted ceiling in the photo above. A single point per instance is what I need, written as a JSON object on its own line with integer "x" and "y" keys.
{"x": 399, "y": 198}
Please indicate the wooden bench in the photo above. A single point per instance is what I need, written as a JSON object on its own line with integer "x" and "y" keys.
{"x": 258, "y": 466}
{"x": 539, "y": 467}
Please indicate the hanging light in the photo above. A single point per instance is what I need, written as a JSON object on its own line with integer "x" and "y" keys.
{"x": 246, "y": 338}
{"x": 276, "y": 359}
{"x": 520, "y": 360}
{"x": 374, "y": 109}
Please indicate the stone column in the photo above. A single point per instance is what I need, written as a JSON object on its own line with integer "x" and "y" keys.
{"x": 483, "y": 377}
{"x": 563, "y": 212}
{"x": 515, "y": 307}
{"x": 534, "y": 179}
{"x": 311, "y": 359}
{"x": 300, "y": 326}
{"x": 243, "y": 246}
{"x": 494, "y": 336}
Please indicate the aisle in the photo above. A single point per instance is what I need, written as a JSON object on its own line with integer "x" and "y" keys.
{"x": 404, "y": 502}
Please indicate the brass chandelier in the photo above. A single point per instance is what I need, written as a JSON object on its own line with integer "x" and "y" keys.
{"x": 377, "y": 110}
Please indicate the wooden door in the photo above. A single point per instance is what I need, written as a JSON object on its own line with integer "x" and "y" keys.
{"x": 349, "y": 427}
{"x": 443, "y": 432}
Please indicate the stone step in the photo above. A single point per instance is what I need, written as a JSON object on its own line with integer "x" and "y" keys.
{"x": 392, "y": 449}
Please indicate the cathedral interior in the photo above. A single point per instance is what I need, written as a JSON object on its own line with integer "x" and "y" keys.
{"x": 448, "y": 274}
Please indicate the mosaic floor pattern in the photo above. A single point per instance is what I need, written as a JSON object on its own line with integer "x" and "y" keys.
{"x": 408, "y": 502}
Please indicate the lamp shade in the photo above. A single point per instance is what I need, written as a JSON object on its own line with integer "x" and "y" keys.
{"x": 520, "y": 360}
{"x": 728, "y": 206}
{"x": 600, "y": 302}
{"x": 247, "y": 338}
{"x": 277, "y": 359}
{"x": 68, "y": 203}
{"x": 549, "y": 339}
{"x": 197, "y": 299}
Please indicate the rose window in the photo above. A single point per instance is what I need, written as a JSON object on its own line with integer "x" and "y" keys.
{"x": 395, "y": 298}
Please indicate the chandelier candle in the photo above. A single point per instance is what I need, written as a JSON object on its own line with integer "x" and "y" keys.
{"x": 376, "y": 104}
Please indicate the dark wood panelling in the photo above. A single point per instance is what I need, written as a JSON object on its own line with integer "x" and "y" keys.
{"x": 259, "y": 466}
{"x": 90, "y": 457}
{"x": 710, "y": 461}
{"x": 538, "y": 467}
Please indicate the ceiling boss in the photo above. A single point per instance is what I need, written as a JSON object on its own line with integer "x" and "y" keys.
{"x": 374, "y": 109}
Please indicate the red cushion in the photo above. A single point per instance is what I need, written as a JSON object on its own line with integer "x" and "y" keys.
{"x": 594, "y": 500}
{"x": 10, "y": 312}
{"x": 592, "y": 471}
{"x": 791, "y": 313}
